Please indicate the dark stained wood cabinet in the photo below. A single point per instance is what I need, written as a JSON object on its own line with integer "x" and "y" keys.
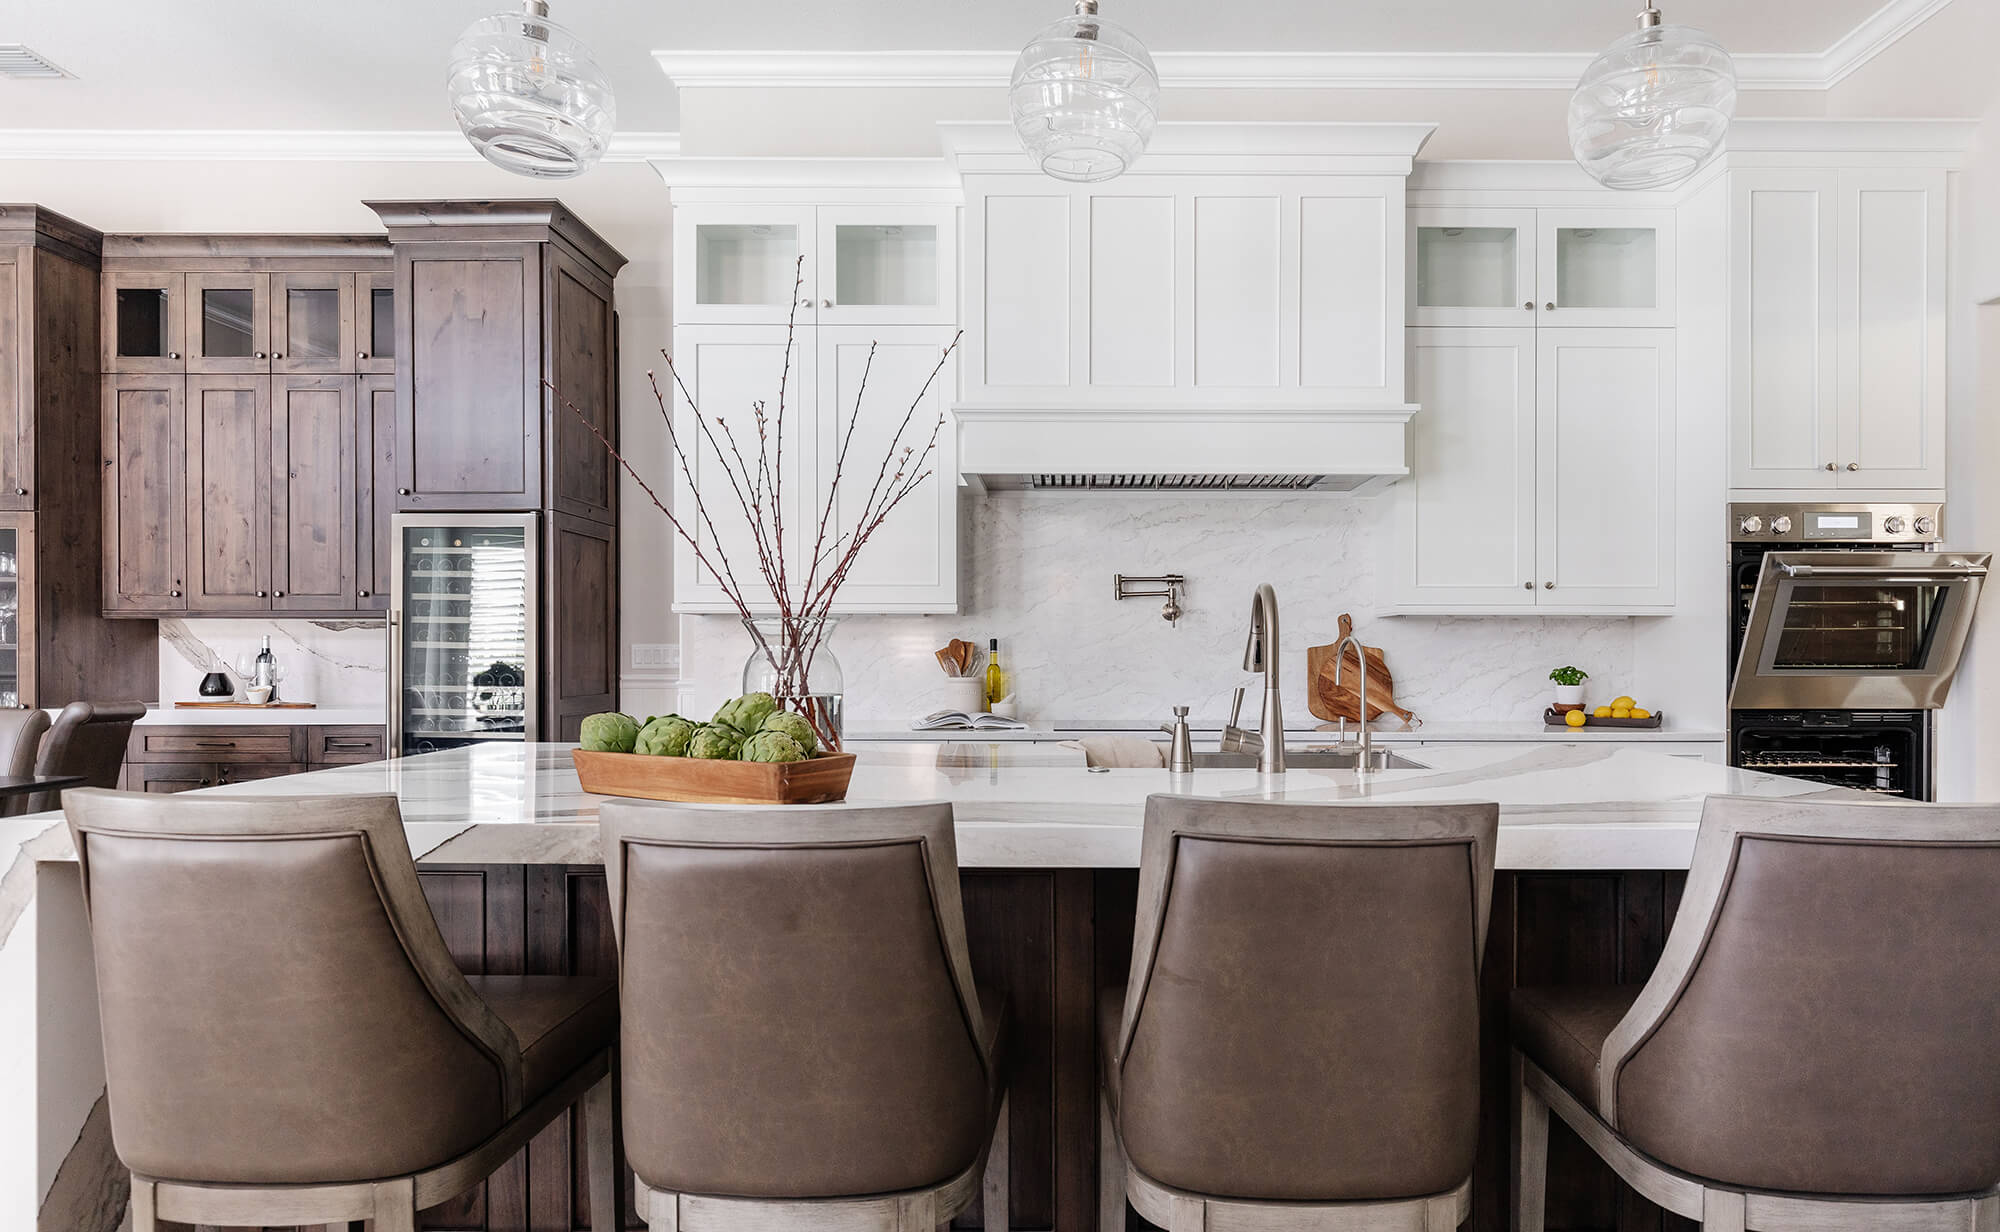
{"x": 168, "y": 758}
{"x": 580, "y": 602}
{"x": 257, "y": 339}
{"x": 59, "y": 647}
{"x": 495, "y": 298}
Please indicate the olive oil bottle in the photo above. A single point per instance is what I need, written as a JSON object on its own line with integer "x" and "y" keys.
{"x": 996, "y": 677}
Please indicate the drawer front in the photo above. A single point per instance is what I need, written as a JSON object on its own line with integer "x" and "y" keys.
{"x": 241, "y": 773}
{"x": 166, "y": 779}
{"x": 241, "y": 745}
{"x": 345, "y": 746}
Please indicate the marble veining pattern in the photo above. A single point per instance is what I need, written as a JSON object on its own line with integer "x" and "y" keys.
{"x": 1039, "y": 575}
{"x": 330, "y": 662}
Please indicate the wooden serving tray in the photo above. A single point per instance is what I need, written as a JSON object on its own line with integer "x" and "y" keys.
{"x": 700, "y": 780}
{"x": 246, "y": 705}
{"x": 1554, "y": 721}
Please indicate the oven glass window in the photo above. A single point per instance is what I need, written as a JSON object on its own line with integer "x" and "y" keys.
{"x": 1859, "y": 626}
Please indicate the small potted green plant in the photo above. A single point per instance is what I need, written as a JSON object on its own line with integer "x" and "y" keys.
{"x": 1569, "y": 687}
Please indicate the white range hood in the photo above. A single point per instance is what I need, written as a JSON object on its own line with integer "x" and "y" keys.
{"x": 1302, "y": 449}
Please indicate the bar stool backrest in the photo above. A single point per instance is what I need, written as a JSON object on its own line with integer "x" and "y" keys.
{"x": 87, "y": 739}
{"x": 1302, "y": 1020}
{"x": 799, "y": 1016}
{"x": 278, "y": 1006}
{"x": 1824, "y": 1016}
{"x": 21, "y": 733}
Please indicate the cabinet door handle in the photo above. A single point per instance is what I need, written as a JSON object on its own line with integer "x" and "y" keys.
{"x": 173, "y": 594}
{"x": 1527, "y": 586}
{"x": 1829, "y": 466}
{"x": 20, "y": 491}
{"x": 1854, "y": 466}
{"x": 260, "y": 594}
{"x": 277, "y": 355}
{"x": 826, "y": 303}
{"x": 1530, "y": 305}
{"x": 1548, "y": 585}
{"x": 258, "y": 355}
{"x": 362, "y": 593}
{"x": 361, "y": 355}
{"x": 406, "y": 491}
{"x": 173, "y": 354}
{"x": 277, "y": 594}
{"x": 1550, "y": 306}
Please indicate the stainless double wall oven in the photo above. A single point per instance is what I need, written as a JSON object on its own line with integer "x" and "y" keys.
{"x": 1847, "y": 627}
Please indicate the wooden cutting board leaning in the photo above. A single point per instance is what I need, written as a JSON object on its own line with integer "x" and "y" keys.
{"x": 1330, "y": 701}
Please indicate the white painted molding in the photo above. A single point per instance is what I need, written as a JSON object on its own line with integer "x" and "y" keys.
{"x": 1280, "y": 70}
{"x": 282, "y": 145}
{"x": 1301, "y": 148}
{"x": 1832, "y": 134}
{"x": 691, "y": 175}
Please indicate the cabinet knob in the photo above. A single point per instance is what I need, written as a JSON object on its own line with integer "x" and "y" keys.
{"x": 277, "y": 594}
{"x": 1829, "y": 466}
{"x": 258, "y": 355}
{"x": 826, "y": 303}
{"x": 1548, "y": 585}
{"x": 277, "y": 355}
{"x": 362, "y": 593}
{"x": 1550, "y": 306}
{"x": 1854, "y": 466}
{"x": 1530, "y": 305}
{"x": 173, "y": 594}
{"x": 173, "y": 354}
{"x": 1528, "y": 585}
{"x": 361, "y": 355}
{"x": 260, "y": 594}
{"x": 406, "y": 491}
{"x": 20, "y": 491}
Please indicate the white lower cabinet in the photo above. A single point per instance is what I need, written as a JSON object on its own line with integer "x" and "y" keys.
{"x": 1542, "y": 473}
{"x": 911, "y": 562}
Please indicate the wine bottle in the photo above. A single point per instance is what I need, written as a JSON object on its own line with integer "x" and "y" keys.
{"x": 996, "y": 679}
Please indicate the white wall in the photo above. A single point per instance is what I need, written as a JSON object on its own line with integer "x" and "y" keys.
{"x": 625, "y": 202}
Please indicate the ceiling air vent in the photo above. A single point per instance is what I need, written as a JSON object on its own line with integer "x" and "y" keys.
{"x": 1184, "y": 483}
{"x": 19, "y": 61}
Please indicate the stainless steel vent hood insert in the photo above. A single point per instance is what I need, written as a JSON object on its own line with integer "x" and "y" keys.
{"x": 1346, "y": 450}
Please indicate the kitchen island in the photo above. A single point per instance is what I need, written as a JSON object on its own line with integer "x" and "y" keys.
{"x": 1591, "y": 843}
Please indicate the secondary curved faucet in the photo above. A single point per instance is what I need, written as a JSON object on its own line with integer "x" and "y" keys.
{"x": 1260, "y": 654}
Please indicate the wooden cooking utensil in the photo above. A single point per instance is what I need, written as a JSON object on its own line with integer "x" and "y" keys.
{"x": 947, "y": 660}
{"x": 1329, "y": 701}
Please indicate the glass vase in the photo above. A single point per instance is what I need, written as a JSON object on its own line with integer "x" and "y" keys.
{"x": 812, "y": 689}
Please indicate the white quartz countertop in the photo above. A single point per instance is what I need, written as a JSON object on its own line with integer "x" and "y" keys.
{"x": 869, "y": 731}
{"x": 318, "y": 716}
{"x": 1562, "y": 806}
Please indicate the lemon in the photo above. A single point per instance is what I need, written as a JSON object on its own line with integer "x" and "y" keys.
{"x": 1621, "y": 712}
{"x": 1622, "y": 703}
{"x": 1574, "y": 718}
{"x": 1602, "y": 712}
{"x": 1639, "y": 712}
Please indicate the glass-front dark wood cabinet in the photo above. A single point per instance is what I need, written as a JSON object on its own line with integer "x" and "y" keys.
{"x": 143, "y": 329}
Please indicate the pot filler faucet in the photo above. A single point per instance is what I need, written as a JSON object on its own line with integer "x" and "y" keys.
{"x": 1260, "y": 654}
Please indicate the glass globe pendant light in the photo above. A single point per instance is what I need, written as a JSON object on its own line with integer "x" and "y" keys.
{"x": 1654, "y": 108}
{"x": 1085, "y": 97}
{"x": 529, "y": 96}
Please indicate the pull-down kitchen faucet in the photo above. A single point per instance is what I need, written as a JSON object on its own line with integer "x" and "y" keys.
{"x": 1260, "y": 654}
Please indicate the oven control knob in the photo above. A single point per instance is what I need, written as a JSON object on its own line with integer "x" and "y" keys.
{"x": 1750, "y": 525}
{"x": 1924, "y": 524}
{"x": 1781, "y": 525}
{"x": 1892, "y": 525}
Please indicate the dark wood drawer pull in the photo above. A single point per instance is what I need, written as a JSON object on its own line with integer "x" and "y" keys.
{"x": 215, "y": 744}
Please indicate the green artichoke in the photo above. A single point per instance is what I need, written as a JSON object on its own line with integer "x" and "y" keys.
{"x": 667, "y": 736}
{"x": 795, "y": 726}
{"x": 771, "y": 746}
{"x": 715, "y": 742}
{"x": 610, "y": 733}
{"x": 747, "y": 713}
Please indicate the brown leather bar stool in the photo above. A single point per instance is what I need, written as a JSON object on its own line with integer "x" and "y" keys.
{"x": 21, "y": 733}
{"x": 1298, "y": 1044}
{"x": 1816, "y": 1047}
{"x": 804, "y": 1046}
{"x": 87, "y": 739}
{"x": 286, "y": 1039}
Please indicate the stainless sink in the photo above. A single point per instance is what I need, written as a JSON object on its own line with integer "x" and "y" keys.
{"x": 1311, "y": 759}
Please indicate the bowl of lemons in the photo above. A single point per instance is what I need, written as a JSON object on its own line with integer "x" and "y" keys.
{"x": 1622, "y": 712}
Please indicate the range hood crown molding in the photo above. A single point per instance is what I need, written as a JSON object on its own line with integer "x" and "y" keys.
{"x": 1184, "y": 147}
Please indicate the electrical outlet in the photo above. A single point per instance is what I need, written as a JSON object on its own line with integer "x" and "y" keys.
{"x": 659, "y": 656}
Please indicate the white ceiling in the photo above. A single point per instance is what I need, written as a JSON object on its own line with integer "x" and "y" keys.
{"x": 378, "y": 64}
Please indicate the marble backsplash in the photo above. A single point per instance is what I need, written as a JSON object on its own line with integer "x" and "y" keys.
{"x": 1039, "y": 576}
{"x": 330, "y": 662}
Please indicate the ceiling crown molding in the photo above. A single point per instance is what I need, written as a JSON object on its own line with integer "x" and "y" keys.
{"x": 282, "y": 145}
{"x": 1303, "y": 70}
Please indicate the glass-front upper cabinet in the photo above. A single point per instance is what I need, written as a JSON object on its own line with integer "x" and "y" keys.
{"x": 886, "y": 265}
{"x": 17, "y": 684}
{"x": 312, "y": 323}
{"x": 1606, "y": 266}
{"x": 1510, "y": 267}
{"x": 143, "y": 330}
{"x": 375, "y": 322}
{"x": 228, "y": 322}
{"x": 1472, "y": 267}
{"x": 845, "y": 264}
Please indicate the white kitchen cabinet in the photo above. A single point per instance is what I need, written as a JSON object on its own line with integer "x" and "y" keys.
{"x": 1185, "y": 290}
{"x": 1605, "y": 483}
{"x": 1838, "y": 329}
{"x": 889, "y": 264}
{"x": 911, "y": 564}
{"x": 1542, "y": 474}
{"x": 1484, "y": 266}
{"x": 1466, "y": 515}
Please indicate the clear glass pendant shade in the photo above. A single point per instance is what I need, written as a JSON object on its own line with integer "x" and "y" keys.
{"x": 1653, "y": 108}
{"x": 529, "y": 96}
{"x": 1085, "y": 97}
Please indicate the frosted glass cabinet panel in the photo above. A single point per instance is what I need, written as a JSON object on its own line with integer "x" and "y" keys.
{"x": 1472, "y": 267}
{"x": 849, "y": 264}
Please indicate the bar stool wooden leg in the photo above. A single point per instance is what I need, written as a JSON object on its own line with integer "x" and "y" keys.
{"x": 1110, "y": 1170}
{"x": 1721, "y": 1211}
{"x": 600, "y": 1146}
{"x": 144, "y": 1201}
{"x": 996, "y": 1190}
{"x": 396, "y": 1206}
{"x": 1531, "y": 1155}
{"x": 1189, "y": 1215}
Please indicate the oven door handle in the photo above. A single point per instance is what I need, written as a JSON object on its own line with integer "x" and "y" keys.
{"x": 1885, "y": 573}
